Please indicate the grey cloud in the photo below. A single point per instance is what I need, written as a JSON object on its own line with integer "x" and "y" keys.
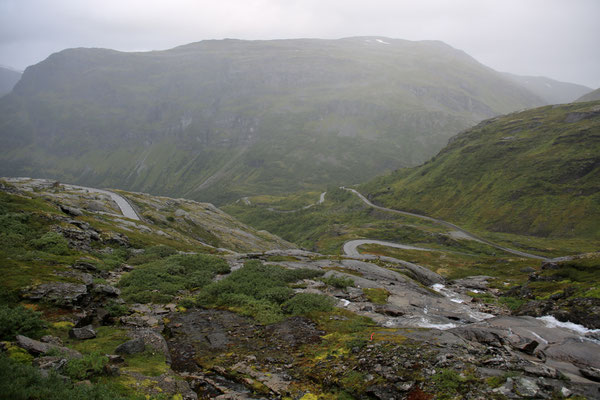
{"x": 555, "y": 38}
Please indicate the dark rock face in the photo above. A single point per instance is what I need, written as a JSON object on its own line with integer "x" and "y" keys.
{"x": 591, "y": 373}
{"x": 131, "y": 347}
{"x": 582, "y": 311}
{"x": 86, "y": 332}
{"x": 84, "y": 265}
{"x": 58, "y": 293}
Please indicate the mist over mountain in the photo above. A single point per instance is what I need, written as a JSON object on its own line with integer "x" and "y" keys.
{"x": 552, "y": 91}
{"x": 216, "y": 120}
{"x": 591, "y": 96}
{"x": 8, "y": 79}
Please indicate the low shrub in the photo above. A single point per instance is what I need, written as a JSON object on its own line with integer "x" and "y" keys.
{"x": 20, "y": 321}
{"x": 88, "y": 366}
{"x": 338, "y": 281}
{"x": 115, "y": 309}
{"x": 152, "y": 254}
{"x": 53, "y": 243}
{"x": 304, "y": 303}
{"x": 263, "y": 292}
{"x": 160, "y": 280}
{"x": 24, "y": 382}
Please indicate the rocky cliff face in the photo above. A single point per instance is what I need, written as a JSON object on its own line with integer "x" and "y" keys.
{"x": 217, "y": 120}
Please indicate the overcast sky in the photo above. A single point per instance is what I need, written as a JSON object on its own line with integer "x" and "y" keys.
{"x": 554, "y": 38}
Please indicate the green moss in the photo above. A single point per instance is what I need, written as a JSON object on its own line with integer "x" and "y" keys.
{"x": 376, "y": 295}
{"x": 106, "y": 341}
{"x": 149, "y": 363}
{"x": 17, "y": 353}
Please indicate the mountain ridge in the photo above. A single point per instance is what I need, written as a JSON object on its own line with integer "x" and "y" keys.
{"x": 296, "y": 114}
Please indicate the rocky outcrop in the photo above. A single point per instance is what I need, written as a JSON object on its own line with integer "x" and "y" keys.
{"x": 58, "y": 293}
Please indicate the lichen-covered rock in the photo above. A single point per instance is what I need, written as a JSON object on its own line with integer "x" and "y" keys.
{"x": 107, "y": 290}
{"x": 86, "y": 332}
{"x": 133, "y": 346}
{"x": 58, "y": 293}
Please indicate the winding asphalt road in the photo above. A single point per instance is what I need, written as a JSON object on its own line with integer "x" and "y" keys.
{"x": 351, "y": 247}
{"x": 321, "y": 200}
{"x": 440, "y": 222}
{"x": 126, "y": 209}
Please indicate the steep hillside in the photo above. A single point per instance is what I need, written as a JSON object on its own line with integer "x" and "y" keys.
{"x": 181, "y": 223}
{"x": 216, "y": 120}
{"x": 550, "y": 90}
{"x": 536, "y": 172}
{"x": 8, "y": 80}
{"x": 591, "y": 96}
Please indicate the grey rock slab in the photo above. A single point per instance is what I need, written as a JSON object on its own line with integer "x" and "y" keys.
{"x": 36, "y": 347}
{"x": 526, "y": 387}
{"x": 73, "y": 211}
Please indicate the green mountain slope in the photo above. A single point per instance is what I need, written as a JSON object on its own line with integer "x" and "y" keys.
{"x": 591, "y": 96}
{"x": 216, "y": 120}
{"x": 536, "y": 172}
{"x": 552, "y": 91}
{"x": 8, "y": 80}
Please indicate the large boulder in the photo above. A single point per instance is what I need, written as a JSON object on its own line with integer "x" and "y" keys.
{"x": 131, "y": 346}
{"x": 86, "y": 332}
{"x": 36, "y": 347}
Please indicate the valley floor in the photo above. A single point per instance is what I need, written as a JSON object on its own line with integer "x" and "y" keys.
{"x": 186, "y": 302}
